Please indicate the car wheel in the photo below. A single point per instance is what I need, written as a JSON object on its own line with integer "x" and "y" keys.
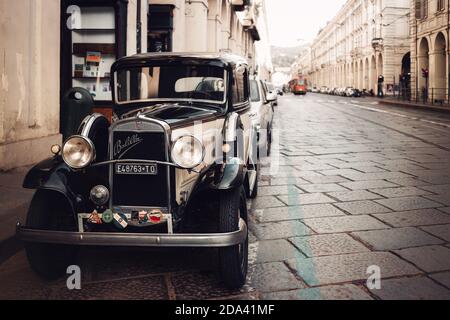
{"x": 49, "y": 211}
{"x": 233, "y": 260}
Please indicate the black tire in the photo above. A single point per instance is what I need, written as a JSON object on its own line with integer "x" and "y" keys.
{"x": 233, "y": 261}
{"x": 50, "y": 211}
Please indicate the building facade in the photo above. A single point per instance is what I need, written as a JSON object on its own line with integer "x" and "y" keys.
{"x": 46, "y": 46}
{"x": 366, "y": 39}
{"x": 303, "y": 64}
{"x": 430, "y": 50}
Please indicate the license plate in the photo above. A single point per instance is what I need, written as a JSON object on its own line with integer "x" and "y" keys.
{"x": 139, "y": 169}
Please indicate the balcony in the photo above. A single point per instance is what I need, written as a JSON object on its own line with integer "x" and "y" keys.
{"x": 248, "y": 19}
{"x": 377, "y": 44}
{"x": 355, "y": 53}
{"x": 239, "y": 5}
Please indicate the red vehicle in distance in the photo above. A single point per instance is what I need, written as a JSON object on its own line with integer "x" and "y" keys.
{"x": 299, "y": 86}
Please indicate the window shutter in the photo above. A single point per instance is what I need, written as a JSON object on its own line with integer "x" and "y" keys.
{"x": 418, "y": 9}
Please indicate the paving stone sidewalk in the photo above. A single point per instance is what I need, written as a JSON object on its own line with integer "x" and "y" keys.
{"x": 346, "y": 190}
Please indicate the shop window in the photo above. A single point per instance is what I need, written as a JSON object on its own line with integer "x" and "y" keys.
{"x": 160, "y": 28}
{"x": 94, "y": 51}
{"x": 93, "y": 37}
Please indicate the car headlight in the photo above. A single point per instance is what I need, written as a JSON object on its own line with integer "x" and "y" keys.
{"x": 78, "y": 152}
{"x": 188, "y": 152}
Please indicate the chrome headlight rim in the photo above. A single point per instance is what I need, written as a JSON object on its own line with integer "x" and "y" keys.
{"x": 199, "y": 143}
{"x": 92, "y": 154}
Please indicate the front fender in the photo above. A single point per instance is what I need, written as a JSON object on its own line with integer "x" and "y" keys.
{"x": 229, "y": 176}
{"x": 50, "y": 174}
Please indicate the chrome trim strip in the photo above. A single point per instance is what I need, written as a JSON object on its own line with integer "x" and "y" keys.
{"x": 214, "y": 240}
{"x": 230, "y": 127}
{"x": 87, "y": 123}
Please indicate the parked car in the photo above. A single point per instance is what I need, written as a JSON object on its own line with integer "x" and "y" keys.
{"x": 271, "y": 93}
{"x": 154, "y": 177}
{"x": 261, "y": 114}
{"x": 315, "y": 90}
{"x": 357, "y": 93}
{"x": 323, "y": 89}
{"x": 349, "y": 92}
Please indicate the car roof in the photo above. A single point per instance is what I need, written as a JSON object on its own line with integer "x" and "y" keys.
{"x": 226, "y": 60}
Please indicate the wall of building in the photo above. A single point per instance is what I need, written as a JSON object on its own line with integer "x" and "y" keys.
{"x": 364, "y": 40}
{"x": 216, "y": 26}
{"x": 263, "y": 55}
{"x": 29, "y": 84}
{"x": 30, "y": 62}
{"x": 430, "y": 50}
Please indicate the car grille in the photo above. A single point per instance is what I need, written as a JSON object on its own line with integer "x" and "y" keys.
{"x": 140, "y": 190}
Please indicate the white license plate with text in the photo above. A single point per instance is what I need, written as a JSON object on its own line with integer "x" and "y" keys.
{"x": 141, "y": 169}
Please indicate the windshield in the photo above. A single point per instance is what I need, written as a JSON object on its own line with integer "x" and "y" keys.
{"x": 181, "y": 82}
{"x": 254, "y": 91}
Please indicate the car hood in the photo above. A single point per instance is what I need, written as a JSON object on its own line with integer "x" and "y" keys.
{"x": 174, "y": 113}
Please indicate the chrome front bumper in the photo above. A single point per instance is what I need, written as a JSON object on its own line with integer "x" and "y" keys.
{"x": 215, "y": 240}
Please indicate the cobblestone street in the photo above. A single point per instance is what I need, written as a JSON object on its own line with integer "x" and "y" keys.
{"x": 350, "y": 185}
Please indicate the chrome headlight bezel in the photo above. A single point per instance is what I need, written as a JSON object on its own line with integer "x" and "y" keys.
{"x": 88, "y": 145}
{"x": 179, "y": 144}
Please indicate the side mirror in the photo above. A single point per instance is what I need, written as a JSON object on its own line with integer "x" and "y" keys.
{"x": 271, "y": 97}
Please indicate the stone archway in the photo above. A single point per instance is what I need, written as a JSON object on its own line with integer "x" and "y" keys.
{"x": 423, "y": 63}
{"x": 360, "y": 75}
{"x": 380, "y": 71}
{"x": 405, "y": 81}
{"x": 345, "y": 79}
{"x": 366, "y": 74}
{"x": 352, "y": 74}
{"x": 373, "y": 74}
{"x": 439, "y": 80}
{"x": 380, "y": 65}
{"x": 406, "y": 64}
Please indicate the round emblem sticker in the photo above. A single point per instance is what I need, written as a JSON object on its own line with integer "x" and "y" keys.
{"x": 107, "y": 216}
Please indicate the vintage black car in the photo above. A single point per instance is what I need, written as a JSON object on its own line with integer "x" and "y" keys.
{"x": 174, "y": 169}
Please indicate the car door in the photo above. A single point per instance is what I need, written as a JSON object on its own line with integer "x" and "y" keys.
{"x": 267, "y": 107}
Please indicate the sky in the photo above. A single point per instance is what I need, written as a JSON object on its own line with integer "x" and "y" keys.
{"x": 292, "y": 20}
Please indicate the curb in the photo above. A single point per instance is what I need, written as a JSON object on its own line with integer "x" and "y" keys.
{"x": 415, "y": 106}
